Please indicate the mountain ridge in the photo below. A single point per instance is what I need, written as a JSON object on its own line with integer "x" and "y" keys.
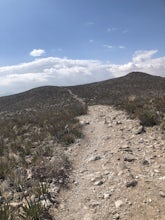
{"x": 104, "y": 92}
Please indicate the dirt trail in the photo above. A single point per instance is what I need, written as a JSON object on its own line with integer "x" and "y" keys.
{"x": 118, "y": 170}
{"x": 76, "y": 97}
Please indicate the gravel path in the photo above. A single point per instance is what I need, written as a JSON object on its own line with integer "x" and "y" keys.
{"x": 118, "y": 170}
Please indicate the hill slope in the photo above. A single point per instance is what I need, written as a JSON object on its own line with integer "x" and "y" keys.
{"x": 106, "y": 92}
{"x": 115, "y": 90}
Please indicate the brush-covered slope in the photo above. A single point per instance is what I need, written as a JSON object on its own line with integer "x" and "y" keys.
{"x": 113, "y": 91}
{"x": 42, "y": 97}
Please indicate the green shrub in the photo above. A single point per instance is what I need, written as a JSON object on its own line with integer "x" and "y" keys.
{"x": 5, "y": 212}
{"x": 68, "y": 138}
{"x": 32, "y": 211}
{"x": 42, "y": 189}
{"x": 148, "y": 118}
{"x": 4, "y": 168}
{"x": 163, "y": 125}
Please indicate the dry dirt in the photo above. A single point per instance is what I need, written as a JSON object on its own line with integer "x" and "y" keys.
{"x": 118, "y": 170}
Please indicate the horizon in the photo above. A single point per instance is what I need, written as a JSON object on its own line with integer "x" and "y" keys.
{"x": 42, "y": 86}
{"x": 63, "y": 43}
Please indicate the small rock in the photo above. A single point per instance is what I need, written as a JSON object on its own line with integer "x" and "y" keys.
{"x": 162, "y": 194}
{"x": 16, "y": 204}
{"x": 145, "y": 162}
{"x": 118, "y": 123}
{"x": 94, "y": 204}
{"x": 116, "y": 216}
{"x": 106, "y": 172}
{"x": 129, "y": 159}
{"x": 98, "y": 183}
{"x": 82, "y": 123}
{"x": 162, "y": 178}
{"x": 94, "y": 158}
{"x": 132, "y": 183}
{"x": 118, "y": 203}
{"x": 107, "y": 195}
{"x": 126, "y": 149}
{"x": 140, "y": 130}
{"x": 32, "y": 198}
{"x": 156, "y": 171}
{"x": 96, "y": 178}
{"x": 46, "y": 203}
{"x": 120, "y": 173}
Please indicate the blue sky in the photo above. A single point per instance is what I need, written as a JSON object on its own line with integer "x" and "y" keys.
{"x": 65, "y": 42}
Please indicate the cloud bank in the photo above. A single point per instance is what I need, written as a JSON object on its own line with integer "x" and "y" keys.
{"x": 64, "y": 71}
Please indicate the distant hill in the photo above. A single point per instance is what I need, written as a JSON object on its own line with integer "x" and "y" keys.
{"x": 111, "y": 91}
{"x": 41, "y": 97}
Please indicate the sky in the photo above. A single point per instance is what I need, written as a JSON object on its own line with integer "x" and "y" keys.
{"x": 70, "y": 42}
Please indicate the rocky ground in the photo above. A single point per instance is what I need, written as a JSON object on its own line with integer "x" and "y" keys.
{"x": 118, "y": 170}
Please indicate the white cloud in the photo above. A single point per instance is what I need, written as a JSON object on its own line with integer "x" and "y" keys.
{"x": 64, "y": 71}
{"x": 37, "y": 52}
{"x": 91, "y": 41}
{"x": 121, "y": 47}
{"x": 107, "y": 46}
{"x": 112, "y": 29}
{"x": 89, "y": 24}
{"x": 143, "y": 55}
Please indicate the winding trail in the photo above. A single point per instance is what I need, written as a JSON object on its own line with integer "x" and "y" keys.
{"x": 117, "y": 173}
{"x": 76, "y": 97}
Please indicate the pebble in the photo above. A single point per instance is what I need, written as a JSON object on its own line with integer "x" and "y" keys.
{"x": 140, "y": 130}
{"x": 129, "y": 159}
{"x": 98, "y": 183}
{"x": 145, "y": 162}
{"x": 118, "y": 203}
{"x": 94, "y": 158}
{"x": 162, "y": 194}
{"x": 116, "y": 216}
{"x": 132, "y": 183}
{"x": 107, "y": 195}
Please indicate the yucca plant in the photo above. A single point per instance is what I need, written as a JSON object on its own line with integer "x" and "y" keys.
{"x": 42, "y": 189}
{"x": 32, "y": 211}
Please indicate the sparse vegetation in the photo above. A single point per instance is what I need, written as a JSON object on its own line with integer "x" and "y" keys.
{"x": 38, "y": 125}
{"x": 32, "y": 145}
{"x": 32, "y": 211}
{"x": 5, "y": 212}
{"x": 140, "y": 94}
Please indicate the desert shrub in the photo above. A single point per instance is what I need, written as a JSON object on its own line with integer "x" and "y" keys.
{"x": 42, "y": 189}
{"x": 18, "y": 177}
{"x": 163, "y": 125}
{"x": 68, "y": 139}
{"x": 148, "y": 118}
{"x": 1, "y": 150}
{"x": 32, "y": 211}
{"x": 5, "y": 212}
{"x": 4, "y": 168}
{"x": 131, "y": 106}
{"x": 159, "y": 103}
